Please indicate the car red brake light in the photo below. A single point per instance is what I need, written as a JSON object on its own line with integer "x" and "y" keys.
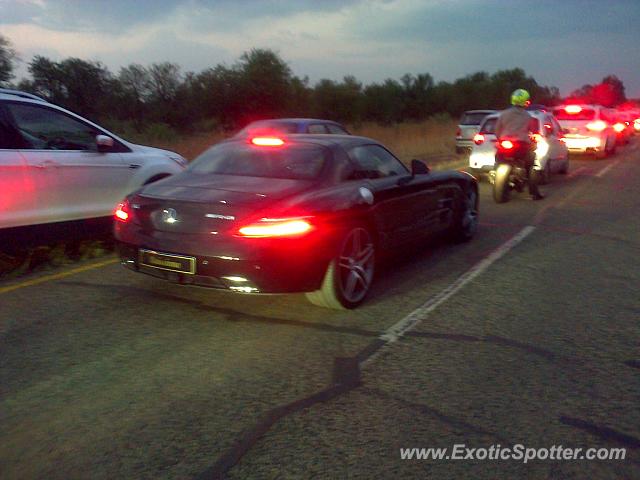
{"x": 277, "y": 227}
{"x": 597, "y": 126}
{"x": 506, "y": 144}
{"x": 267, "y": 141}
{"x": 619, "y": 127}
{"x": 478, "y": 139}
{"x": 122, "y": 212}
{"x": 573, "y": 109}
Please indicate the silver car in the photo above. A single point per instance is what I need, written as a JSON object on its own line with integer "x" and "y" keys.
{"x": 56, "y": 166}
{"x": 551, "y": 152}
{"x": 589, "y": 128}
{"x": 468, "y": 126}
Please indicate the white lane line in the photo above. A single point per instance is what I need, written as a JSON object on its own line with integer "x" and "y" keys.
{"x": 419, "y": 314}
{"x": 604, "y": 171}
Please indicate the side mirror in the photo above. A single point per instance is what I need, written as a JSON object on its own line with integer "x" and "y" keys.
{"x": 104, "y": 143}
{"x": 419, "y": 168}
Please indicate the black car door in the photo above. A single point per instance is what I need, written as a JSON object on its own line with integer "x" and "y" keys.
{"x": 403, "y": 204}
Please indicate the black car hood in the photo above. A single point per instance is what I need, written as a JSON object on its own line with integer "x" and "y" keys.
{"x": 232, "y": 189}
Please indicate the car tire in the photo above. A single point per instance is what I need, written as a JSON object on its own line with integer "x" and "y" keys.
{"x": 465, "y": 224}
{"x": 545, "y": 175}
{"x": 565, "y": 166}
{"x": 349, "y": 275}
{"x": 604, "y": 153}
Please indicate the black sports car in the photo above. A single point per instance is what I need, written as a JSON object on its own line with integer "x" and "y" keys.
{"x": 303, "y": 213}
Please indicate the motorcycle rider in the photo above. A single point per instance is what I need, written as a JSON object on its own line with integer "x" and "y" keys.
{"x": 516, "y": 124}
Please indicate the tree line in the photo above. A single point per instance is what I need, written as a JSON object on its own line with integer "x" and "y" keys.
{"x": 259, "y": 85}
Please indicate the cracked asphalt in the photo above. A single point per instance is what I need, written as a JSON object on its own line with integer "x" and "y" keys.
{"x": 109, "y": 374}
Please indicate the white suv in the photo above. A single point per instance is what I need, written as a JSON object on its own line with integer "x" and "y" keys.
{"x": 588, "y": 128}
{"x": 56, "y": 166}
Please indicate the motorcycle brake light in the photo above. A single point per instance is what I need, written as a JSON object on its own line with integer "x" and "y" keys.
{"x": 506, "y": 144}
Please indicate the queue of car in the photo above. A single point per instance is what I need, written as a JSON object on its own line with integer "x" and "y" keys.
{"x": 562, "y": 130}
{"x": 285, "y": 205}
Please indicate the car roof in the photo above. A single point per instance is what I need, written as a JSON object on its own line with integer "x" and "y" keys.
{"x": 322, "y": 139}
{"x": 10, "y": 94}
{"x": 294, "y": 120}
{"x": 583, "y": 105}
{"x": 537, "y": 114}
{"x": 479, "y": 111}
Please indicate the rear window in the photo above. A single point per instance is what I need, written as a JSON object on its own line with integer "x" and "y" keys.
{"x": 472, "y": 118}
{"x": 489, "y": 126}
{"x": 584, "y": 114}
{"x": 295, "y": 162}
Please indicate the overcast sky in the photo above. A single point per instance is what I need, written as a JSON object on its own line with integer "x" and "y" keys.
{"x": 563, "y": 43}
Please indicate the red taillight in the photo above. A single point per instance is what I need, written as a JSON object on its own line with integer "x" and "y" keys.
{"x": 267, "y": 141}
{"x": 597, "y": 126}
{"x": 619, "y": 127}
{"x": 478, "y": 139}
{"x": 506, "y": 144}
{"x": 573, "y": 109}
{"x": 122, "y": 212}
{"x": 458, "y": 133}
{"x": 277, "y": 227}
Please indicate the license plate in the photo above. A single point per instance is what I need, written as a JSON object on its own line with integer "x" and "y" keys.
{"x": 167, "y": 261}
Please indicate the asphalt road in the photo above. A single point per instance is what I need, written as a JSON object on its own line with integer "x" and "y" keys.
{"x": 108, "y": 374}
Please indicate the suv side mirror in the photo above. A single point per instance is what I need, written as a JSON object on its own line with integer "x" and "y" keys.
{"x": 104, "y": 143}
{"x": 419, "y": 168}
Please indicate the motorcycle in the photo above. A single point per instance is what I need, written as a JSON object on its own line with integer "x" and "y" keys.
{"x": 510, "y": 172}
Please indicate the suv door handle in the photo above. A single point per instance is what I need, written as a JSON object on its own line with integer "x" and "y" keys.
{"x": 134, "y": 165}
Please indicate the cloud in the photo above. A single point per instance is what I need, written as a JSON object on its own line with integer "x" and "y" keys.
{"x": 556, "y": 42}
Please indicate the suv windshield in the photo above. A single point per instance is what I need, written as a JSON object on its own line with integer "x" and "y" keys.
{"x": 473, "y": 118}
{"x": 584, "y": 114}
{"x": 295, "y": 162}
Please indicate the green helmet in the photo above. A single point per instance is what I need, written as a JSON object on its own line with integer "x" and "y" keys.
{"x": 520, "y": 97}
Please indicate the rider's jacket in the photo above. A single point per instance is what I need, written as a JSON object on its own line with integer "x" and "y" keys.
{"x": 516, "y": 123}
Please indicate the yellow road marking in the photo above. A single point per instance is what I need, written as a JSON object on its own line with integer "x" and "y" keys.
{"x": 56, "y": 276}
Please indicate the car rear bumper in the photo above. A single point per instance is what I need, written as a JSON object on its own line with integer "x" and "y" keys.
{"x": 584, "y": 144}
{"x": 242, "y": 265}
{"x": 482, "y": 161}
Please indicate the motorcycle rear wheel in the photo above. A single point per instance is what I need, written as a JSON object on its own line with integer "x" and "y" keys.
{"x": 501, "y": 187}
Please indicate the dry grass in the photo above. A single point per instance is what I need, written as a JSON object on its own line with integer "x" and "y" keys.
{"x": 189, "y": 146}
{"x": 424, "y": 140}
{"x": 432, "y": 140}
